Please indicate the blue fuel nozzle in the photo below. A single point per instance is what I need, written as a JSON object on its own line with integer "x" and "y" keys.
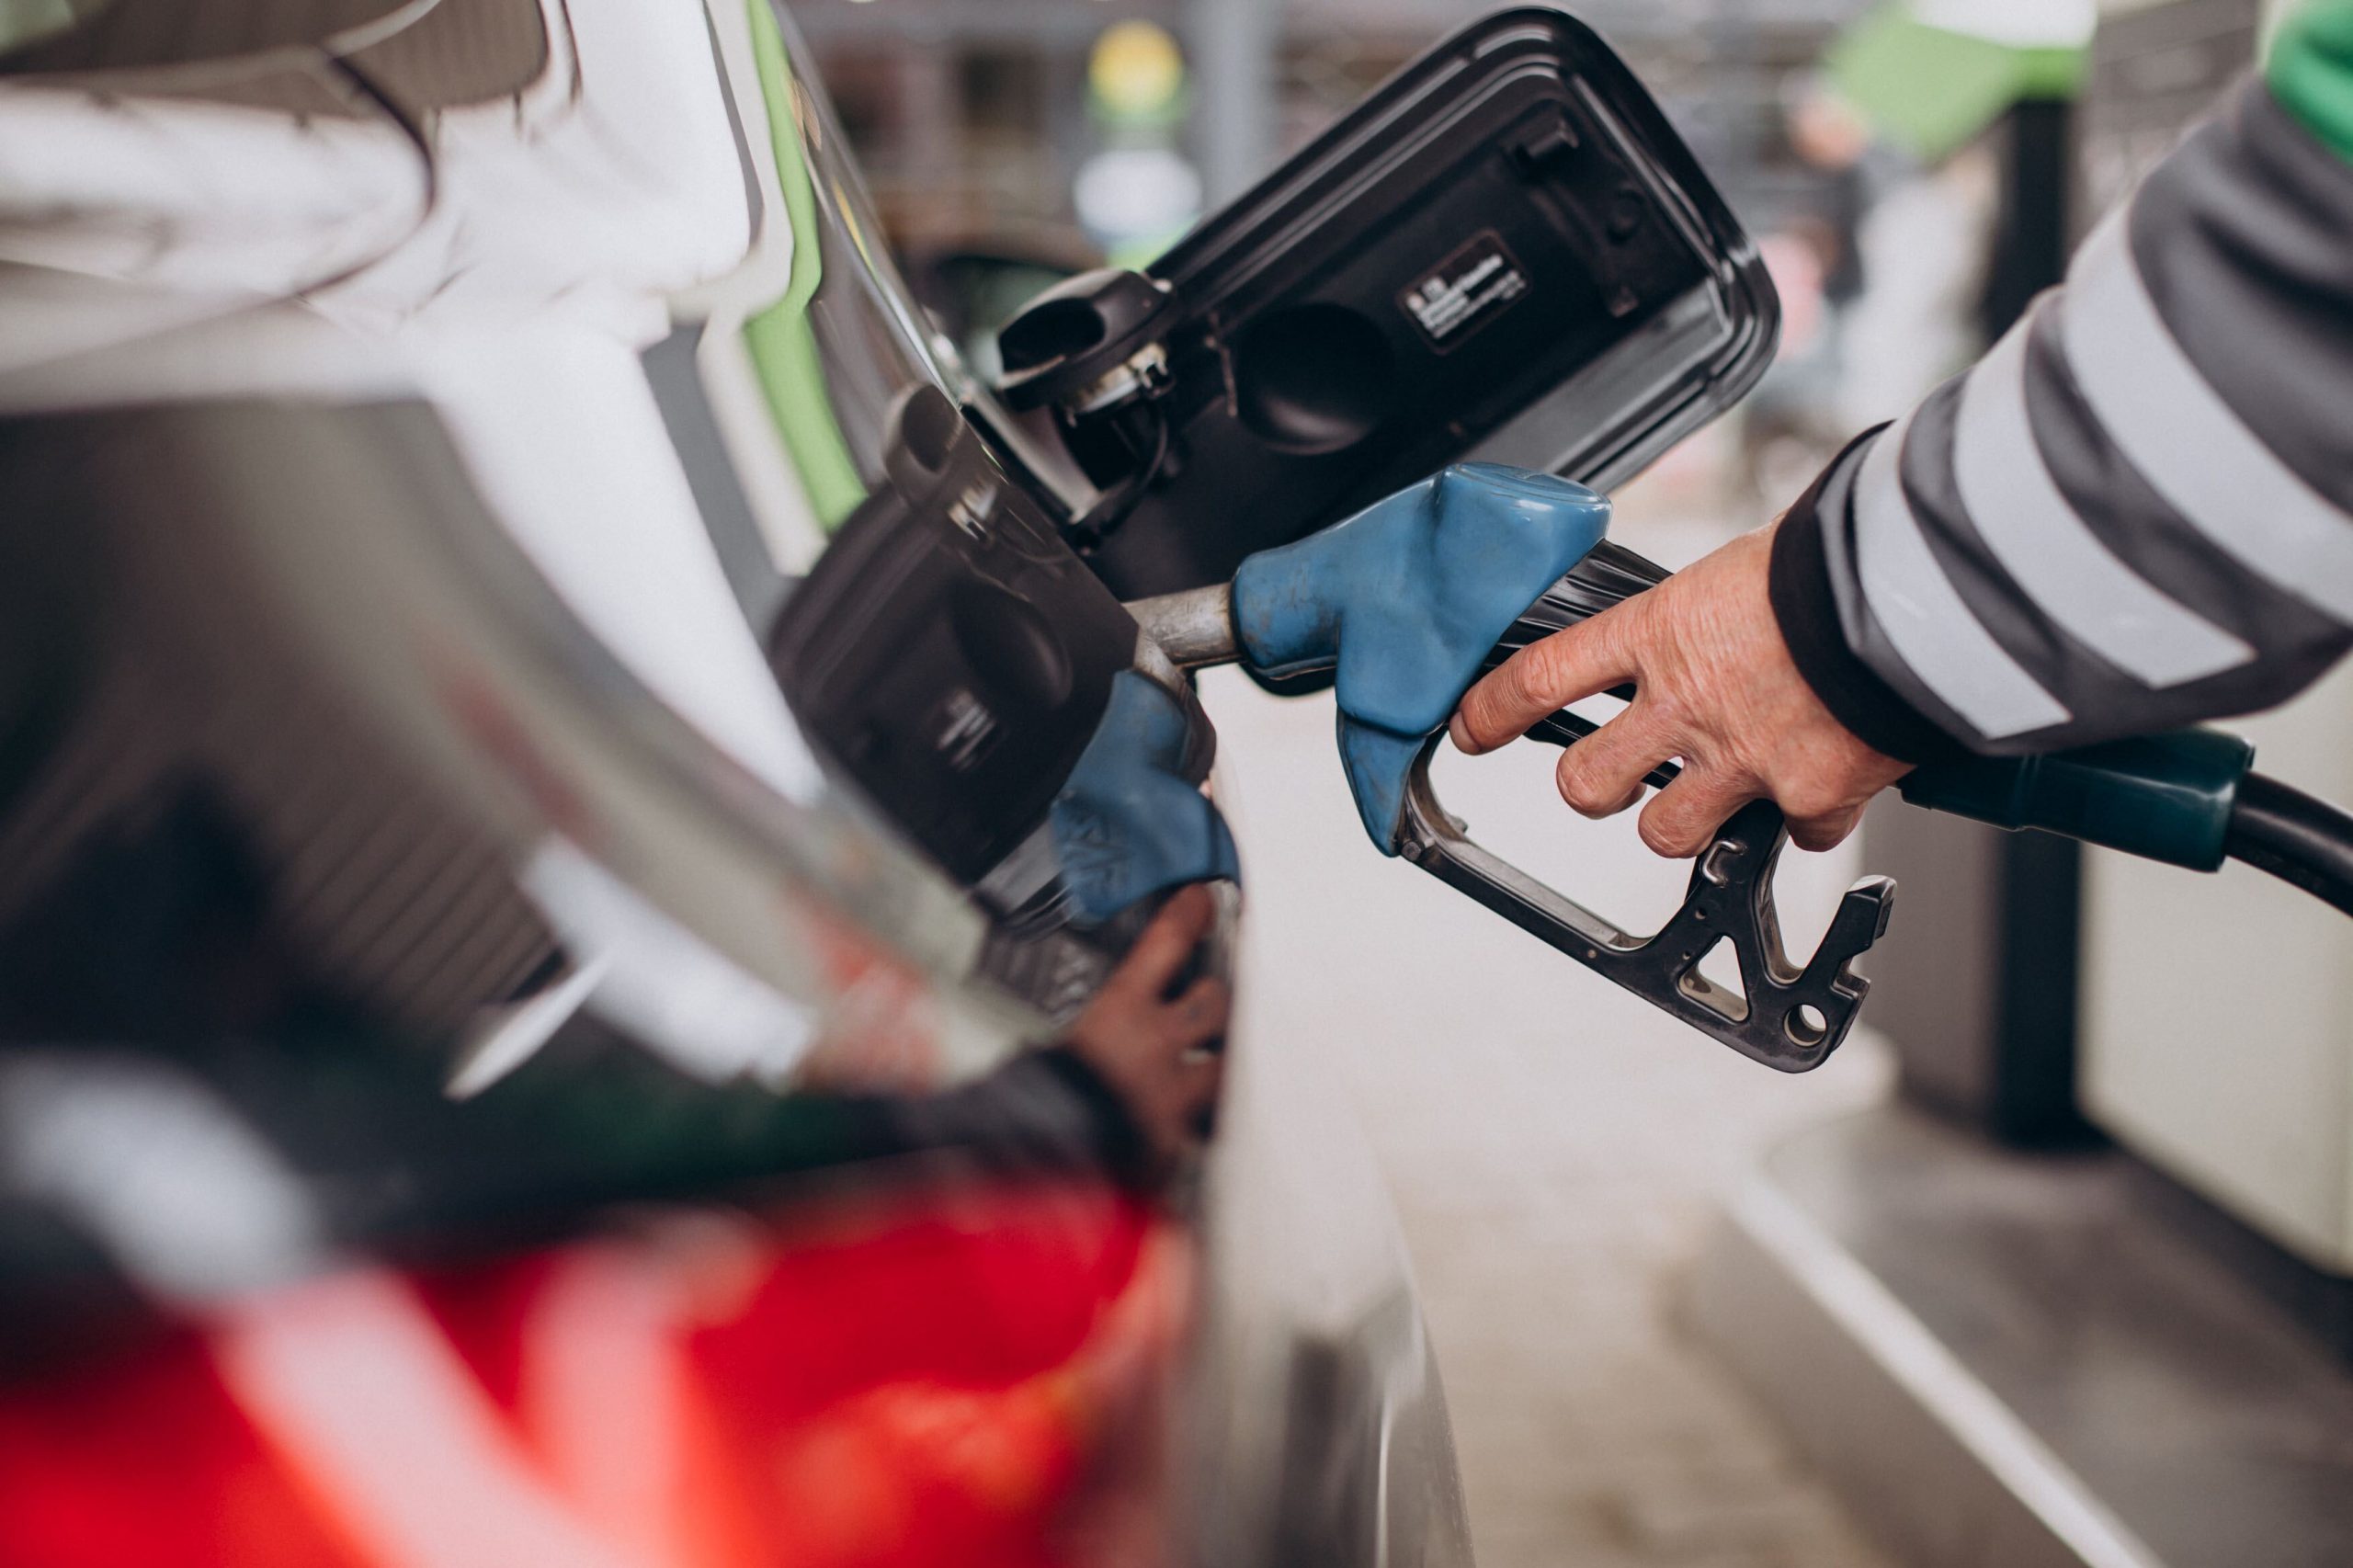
{"x": 1405, "y": 598}
{"x": 1407, "y": 601}
{"x": 1403, "y": 601}
{"x": 1132, "y": 820}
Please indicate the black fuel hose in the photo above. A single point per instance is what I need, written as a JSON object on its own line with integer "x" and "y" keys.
{"x": 2304, "y": 841}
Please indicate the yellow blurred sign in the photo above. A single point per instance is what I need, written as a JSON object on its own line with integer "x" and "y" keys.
{"x": 1136, "y": 71}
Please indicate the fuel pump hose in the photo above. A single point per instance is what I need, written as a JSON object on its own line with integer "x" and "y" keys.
{"x": 2305, "y": 842}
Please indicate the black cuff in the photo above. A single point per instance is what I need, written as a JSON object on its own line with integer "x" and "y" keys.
{"x": 1807, "y": 607}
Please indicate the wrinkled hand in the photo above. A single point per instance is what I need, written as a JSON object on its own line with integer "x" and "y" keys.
{"x": 1152, "y": 1051}
{"x": 1715, "y": 687}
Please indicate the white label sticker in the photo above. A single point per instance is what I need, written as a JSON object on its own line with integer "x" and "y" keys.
{"x": 1466, "y": 291}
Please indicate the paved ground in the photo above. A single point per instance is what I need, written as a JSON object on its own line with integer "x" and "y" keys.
{"x": 1553, "y": 1146}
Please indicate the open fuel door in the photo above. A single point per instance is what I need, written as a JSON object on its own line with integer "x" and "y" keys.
{"x": 1505, "y": 253}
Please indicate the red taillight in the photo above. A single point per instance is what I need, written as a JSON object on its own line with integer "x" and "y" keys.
{"x": 955, "y": 1375}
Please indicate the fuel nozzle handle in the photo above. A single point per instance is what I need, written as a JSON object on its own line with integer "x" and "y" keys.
{"x": 1402, "y": 603}
{"x": 1405, "y": 602}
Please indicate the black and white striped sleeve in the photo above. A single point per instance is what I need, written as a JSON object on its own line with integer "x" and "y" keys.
{"x": 2136, "y": 512}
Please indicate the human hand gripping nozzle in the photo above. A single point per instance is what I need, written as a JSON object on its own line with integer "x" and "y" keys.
{"x": 1411, "y": 599}
{"x": 1407, "y": 602}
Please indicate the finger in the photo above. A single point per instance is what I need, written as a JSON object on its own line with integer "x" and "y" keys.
{"x": 1197, "y": 1085}
{"x": 1683, "y": 818}
{"x": 1602, "y": 774}
{"x": 1165, "y": 944}
{"x": 1181, "y": 1107}
{"x": 1826, "y": 831}
{"x": 1563, "y": 668}
{"x": 1200, "y": 1015}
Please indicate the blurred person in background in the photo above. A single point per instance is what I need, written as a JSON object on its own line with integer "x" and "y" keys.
{"x": 1796, "y": 416}
{"x": 2134, "y": 512}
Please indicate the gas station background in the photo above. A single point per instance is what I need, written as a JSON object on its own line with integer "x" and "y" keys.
{"x": 2163, "y": 1048}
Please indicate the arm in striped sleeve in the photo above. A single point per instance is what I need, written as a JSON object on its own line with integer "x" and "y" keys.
{"x": 2136, "y": 512}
